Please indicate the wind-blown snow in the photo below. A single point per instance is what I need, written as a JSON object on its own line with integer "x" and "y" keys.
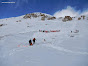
{"x": 59, "y": 49}
{"x": 69, "y": 11}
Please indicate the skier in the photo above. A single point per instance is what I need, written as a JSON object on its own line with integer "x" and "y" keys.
{"x": 34, "y": 40}
{"x": 30, "y": 42}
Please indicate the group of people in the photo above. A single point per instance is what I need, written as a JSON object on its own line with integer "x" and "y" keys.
{"x": 76, "y": 31}
{"x": 30, "y": 42}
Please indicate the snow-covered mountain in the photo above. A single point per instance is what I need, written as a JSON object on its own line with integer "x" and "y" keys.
{"x": 58, "y": 42}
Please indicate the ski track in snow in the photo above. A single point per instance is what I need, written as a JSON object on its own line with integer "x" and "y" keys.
{"x": 62, "y": 49}
{"x": 48, "y": 44}
{"x": 65, "y": 50}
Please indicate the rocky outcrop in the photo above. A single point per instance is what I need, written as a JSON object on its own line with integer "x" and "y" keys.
{"x": 41, "y": 15}
{"x": 18, "y": 21}
{"x": 67, "y": 18}
{"x": 79, "y": 18}
{"x": 82, "y": 17}
{"x": 51, "y": 18}
{"x": 1, "y": 25}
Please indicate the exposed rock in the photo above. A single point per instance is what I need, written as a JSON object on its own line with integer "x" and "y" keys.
{"x": 43, "y": 18}
{"x": 67, "y": 18}
{"x": 1, "y": 25}
{"x": 18, "y": 21}
{"x": 79, "y": 18}
{"x": 51, "y": 18}
{"x": 41, "y": 15}
{"x": 27, "y": 16}
{"x": 83, "y": 17}
{"x": 73, "y": 17}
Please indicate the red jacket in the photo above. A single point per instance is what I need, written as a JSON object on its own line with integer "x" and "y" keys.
{"x": 34, "y": 39}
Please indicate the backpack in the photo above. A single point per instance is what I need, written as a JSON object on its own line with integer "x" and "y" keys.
{"x": 34, "y": 39}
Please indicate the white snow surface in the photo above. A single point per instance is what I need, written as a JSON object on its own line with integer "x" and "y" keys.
{"x": 59, "y": 49}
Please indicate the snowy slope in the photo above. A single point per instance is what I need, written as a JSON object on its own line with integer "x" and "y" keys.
{"x": 59, "y": 49}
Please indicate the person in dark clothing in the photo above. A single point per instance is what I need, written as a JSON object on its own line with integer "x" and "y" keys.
{"x": 34, "y": 40}
{"x": 30, "y": 42}
{"x": 43, "y": 30}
